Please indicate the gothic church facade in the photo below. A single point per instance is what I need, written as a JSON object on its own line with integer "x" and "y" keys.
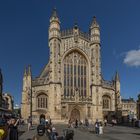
{"x": 71, "y": 85}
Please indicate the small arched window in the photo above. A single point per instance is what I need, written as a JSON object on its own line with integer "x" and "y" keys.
{"x": 42, "y": 101}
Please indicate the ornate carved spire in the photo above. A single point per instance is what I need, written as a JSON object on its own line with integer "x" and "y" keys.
{"x": 117, "y": 77}
{"x": 25, "y": 72}
{"x": 94, "y": 23}
{"x": 1, "y": 78}
{"x": 54, "y": 13}
{"x": 29, "y": 70}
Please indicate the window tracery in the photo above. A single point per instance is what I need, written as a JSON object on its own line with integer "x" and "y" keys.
{"x": 75, "y": 74}
{"x": 106, "y": 102}
{"x": 42, "y": 101}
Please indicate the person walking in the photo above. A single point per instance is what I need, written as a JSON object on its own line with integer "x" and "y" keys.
{"x": 97, "y": 127}
{"x": 29, "y": 121}
{"x": 54, "y": 134}
{"x": 100, "y": 128}
{"x": 40, "y": 135}
{"x": 105, "y": 122}
{"x": 76, "y": 123}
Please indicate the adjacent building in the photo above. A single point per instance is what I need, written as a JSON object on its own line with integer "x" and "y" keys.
{"x": 1, "y": 88}
{"x": 138, "y": 107}
{"x": 7, "y": 104}
{"x": 6, "y": 100}
{"x": 129, "y": 109}
{"x": 71, "y": 86}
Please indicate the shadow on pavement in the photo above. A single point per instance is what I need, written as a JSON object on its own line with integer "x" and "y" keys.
{"x": 136, "y": 133}
{"x": 21, "y": 132}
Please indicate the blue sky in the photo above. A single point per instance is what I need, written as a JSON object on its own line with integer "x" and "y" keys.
{"x": 24, "y": 38}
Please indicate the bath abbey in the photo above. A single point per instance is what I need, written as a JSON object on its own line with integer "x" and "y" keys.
{"x": 71, "y": 86}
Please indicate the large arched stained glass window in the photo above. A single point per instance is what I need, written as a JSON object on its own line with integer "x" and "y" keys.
{"x": 75, "y": 74}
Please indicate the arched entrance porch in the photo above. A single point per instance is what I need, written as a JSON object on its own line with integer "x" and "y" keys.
{"x": 75, "y": 114}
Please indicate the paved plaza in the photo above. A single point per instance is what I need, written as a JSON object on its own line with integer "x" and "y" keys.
{"x": 110, "y": 133}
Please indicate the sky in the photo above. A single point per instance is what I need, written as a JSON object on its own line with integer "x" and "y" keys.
{"x": 24, "y": 38}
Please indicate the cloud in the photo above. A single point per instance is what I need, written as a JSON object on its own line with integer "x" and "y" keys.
{"x": 132, "y": 58}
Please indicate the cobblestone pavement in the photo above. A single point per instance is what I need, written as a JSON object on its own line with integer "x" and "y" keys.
{"x": 110, "y": 133}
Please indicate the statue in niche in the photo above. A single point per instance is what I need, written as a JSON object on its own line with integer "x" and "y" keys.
{"x": 76, "y": 95}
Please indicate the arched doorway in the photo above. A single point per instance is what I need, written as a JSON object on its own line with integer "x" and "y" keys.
{"x": 75, "y": 114}
{"x": 42, "y": 116}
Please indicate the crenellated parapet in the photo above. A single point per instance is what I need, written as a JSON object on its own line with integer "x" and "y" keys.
{"x": 70, "y": 33}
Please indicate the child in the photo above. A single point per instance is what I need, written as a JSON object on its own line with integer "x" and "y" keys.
{"x": 100, "y": 128}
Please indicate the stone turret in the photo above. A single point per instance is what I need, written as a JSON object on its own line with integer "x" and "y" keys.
{"x": 95, "y": 32}
{"x": 54, "y": 44}
{"x": 95, "y": 66}
{"x": 25, "y": 105}
{"x": 117, "y": 91}
{"x": 55, "y": 63}
{"x": 54, "y": 29}
{"x": 95, "y": 52}
{"x": 117, "y": 82}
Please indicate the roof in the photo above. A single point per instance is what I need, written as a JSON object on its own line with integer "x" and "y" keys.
{"x": 128, "y": 100}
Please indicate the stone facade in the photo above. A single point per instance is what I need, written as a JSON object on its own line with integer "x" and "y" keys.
{"x": 129, "y": 109}
{"x": 1, "y": 87}
{"x": 8, "y": 102}
{"x": 71, "y": 85}
{"x": 138, "y": 107}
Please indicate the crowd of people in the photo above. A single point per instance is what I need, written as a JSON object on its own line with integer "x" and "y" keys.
{"x": 47, "y": 131}
{"x": 96, "y": 127}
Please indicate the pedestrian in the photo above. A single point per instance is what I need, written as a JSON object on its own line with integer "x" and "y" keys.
{"x": 13, "y": 130}
{"x": 100, "y": 128}
{"x": 105, "y": 122}
{"x": 76, "y": 123}
{"x": 54, "y": 134}
{"x": 42, "y": 121}
{"x": 2, "y": 132}
{"x": 97, "y": 127}
{"x": 48, "y": 131}
{"x": 29, "y": 121}
{"x": 112, "y": 122}
{"x": 40, "y": 134}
